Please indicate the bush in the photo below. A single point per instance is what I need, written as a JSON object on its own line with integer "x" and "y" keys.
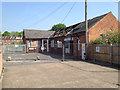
{"x": 21, "y": 42}
{"x": 108, "y": 38}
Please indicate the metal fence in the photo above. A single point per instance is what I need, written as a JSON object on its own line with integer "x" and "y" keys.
{"x": 11, "y": 49}
{"x": 70, "y": 51}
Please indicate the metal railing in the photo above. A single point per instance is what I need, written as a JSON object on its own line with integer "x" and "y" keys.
{"x": 9, "y": 49}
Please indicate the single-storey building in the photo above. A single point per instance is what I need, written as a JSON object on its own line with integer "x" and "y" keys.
{"x": 36, "y": 40}
{"x": 74, "y": 36}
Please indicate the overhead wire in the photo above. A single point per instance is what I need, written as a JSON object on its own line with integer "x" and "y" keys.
{"x": 24, "y": 20}
{"x": 44, "y": 18}
{"x": 68, "y": 12}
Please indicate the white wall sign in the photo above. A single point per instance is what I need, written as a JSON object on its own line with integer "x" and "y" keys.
{"x": 97, "y": 49}
{"x": 31, "y": 48}
{"x": 68, "y": 39}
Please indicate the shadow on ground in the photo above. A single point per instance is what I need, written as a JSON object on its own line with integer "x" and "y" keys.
{"x": 70, "y": 58}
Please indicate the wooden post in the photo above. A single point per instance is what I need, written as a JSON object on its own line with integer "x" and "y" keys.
{"x": 94, "y": 52}
{"x": 63, "y": 52}
{"x": 110, "y": 53}
{"x": 86, "y": 22}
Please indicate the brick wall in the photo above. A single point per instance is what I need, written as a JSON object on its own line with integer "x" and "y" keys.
{"x": 10, "y": 41}
{"x": 0, "y": 60}
{"x": 75, "y": 46}
{"x": 82, "y": 37}
{"x": 106, "y": 24}
{"x": 27, "y": 46}
{"x": 55, "y": 49}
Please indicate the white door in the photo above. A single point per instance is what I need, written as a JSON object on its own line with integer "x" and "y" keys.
{"x": 83, "y": 51}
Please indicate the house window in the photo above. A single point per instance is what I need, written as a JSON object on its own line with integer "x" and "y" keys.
{"x": 78, "y": 45}
{"x": 52, "y": 43}
{"x": 59, "y": 44}
{"x": 67, "y": 48}
{"x": 101, "y": 36}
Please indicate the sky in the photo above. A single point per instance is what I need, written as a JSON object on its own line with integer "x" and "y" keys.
{"x": 17, "y": 16}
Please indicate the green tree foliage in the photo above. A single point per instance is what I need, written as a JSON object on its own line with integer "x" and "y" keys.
{"x": 12, "y": 43}
{"x": 6, "y": 33}
{"x": 21, "y": 42}
{"x": 0, "y": 33}
{"x": 19, "y": 34}
{"x": 108, "y": 38}
{"x": 14, "y": 33}
{"x": 58, "y": 27}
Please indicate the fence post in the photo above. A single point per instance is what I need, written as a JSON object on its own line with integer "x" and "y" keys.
{"x": 93, "y": 52}
{"x": 110, "y": 53}
{"x": 86, "y": 45}
{"x": 63, "y": 53}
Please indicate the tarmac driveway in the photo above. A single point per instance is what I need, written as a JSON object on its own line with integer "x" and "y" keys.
{"x": 68, "y": 74}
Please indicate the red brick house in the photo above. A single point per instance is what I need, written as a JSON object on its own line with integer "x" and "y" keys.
{"x": 36, "y": 40}
{"x": 74, "y": 37}
{"x": 11, "y": 40}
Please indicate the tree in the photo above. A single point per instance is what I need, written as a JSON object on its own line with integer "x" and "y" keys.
{"x": 112, "y": 37}
{"x": 21, "y": 42}
{"x": 0, "y": 33}
{"x": 58, "y": 27}
{"x": 20, "y": 34}
{"x": 6, "y": 33}
{"x": 14, "y": 33}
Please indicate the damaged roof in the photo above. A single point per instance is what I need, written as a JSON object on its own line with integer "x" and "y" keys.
{"x": 79, "y": 27}
{"x": 37, "y": 34}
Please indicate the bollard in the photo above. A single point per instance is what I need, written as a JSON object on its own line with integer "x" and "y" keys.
{"x": 37, "y": 58}
{"x": 9, "y": 58}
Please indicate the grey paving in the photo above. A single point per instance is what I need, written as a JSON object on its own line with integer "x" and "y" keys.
{"x": 57, "y": 74}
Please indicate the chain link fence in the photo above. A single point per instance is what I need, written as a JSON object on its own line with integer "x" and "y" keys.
{"x": 9, "y": 49}
{"x": 69, "y": 51}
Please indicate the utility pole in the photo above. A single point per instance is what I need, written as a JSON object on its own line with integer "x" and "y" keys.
{"x": 86, "y": 21}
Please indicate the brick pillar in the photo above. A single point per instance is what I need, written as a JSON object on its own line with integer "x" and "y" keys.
{"x": 75, "y": 46}
{"x": 27, "y": 46}
{"x": 1, "y": 60}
